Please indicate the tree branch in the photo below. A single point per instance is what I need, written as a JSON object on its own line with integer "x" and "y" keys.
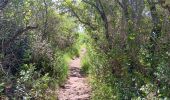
{"x": 19, "y": 32}
{"x": 100, "y": 9}
{"x": 45, "y": 18}
{"x": 121, "y": 5}
{"x": 84, "y": 22}
{"x": 90, "y": 3}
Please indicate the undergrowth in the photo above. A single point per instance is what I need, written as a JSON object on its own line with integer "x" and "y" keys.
{"x": 111, "y": 75}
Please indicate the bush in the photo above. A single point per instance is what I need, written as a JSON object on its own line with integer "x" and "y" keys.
{"x": 31, "y": 84}
{"x": 85, "y": 65}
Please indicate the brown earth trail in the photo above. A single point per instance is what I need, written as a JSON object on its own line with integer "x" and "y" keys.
{"x": 76, "y": 87}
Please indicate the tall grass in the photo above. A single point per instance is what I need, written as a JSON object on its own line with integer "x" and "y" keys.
{"x": 62, "y": 60}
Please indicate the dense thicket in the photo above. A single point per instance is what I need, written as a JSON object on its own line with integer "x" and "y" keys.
{"x": 34, "y": 39}
{"x": 127, "y": 41}
{"x": 128, "y": 48}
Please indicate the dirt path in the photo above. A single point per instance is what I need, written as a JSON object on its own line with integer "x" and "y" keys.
{"x": 76, "y": 87}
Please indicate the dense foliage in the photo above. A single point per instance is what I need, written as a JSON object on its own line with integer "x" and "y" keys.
{"x": 128, "y": 47}
{"x": 34, "y": 43}
{"x": 127, "y": 42}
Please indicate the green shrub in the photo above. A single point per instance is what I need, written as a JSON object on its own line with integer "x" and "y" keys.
{"x": 101, "y": 91}
{"x": 31, "y": 84}
{"x": 85, "y": 65}
{"x": 60, "y": 67}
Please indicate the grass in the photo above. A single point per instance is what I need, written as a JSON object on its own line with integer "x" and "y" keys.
{"x": 85, "y": 64}
{"x": 63, "y": 60}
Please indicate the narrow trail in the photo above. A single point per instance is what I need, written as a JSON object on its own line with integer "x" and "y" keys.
{"x": 76, "y": 87}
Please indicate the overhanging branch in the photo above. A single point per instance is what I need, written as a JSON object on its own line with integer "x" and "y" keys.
{"x": 84, "y": 22}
